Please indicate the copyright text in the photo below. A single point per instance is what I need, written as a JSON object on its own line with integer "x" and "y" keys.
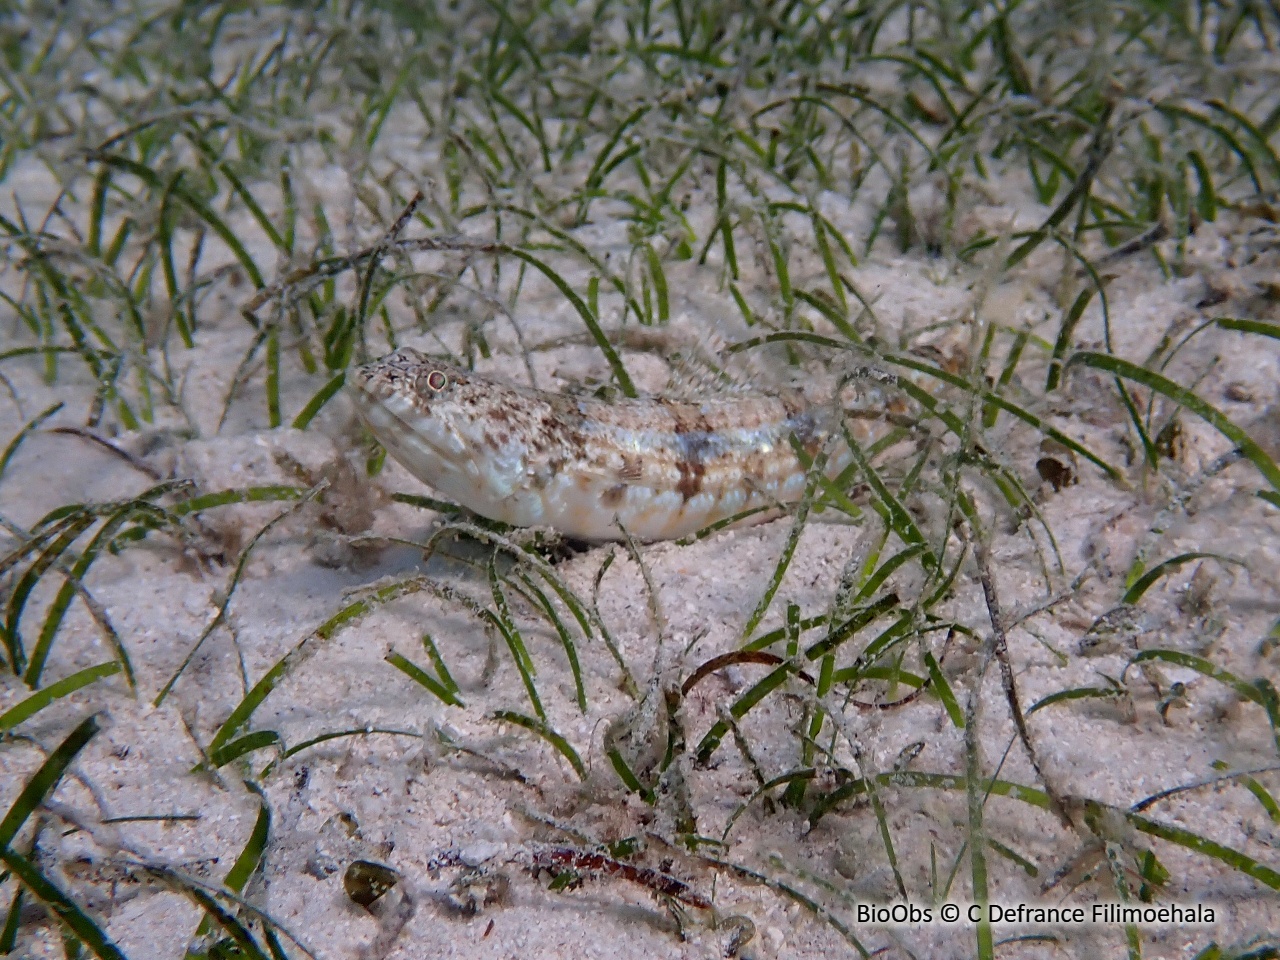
{"x": 1095, "y": 914}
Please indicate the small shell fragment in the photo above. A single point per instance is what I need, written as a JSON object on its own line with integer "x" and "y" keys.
{"x": 366, "y": 881}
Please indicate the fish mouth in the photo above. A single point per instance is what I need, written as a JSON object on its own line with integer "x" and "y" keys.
{"x": 396, "y": 421}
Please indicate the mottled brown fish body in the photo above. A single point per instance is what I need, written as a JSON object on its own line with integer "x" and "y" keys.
{"x": 662, "y": 468}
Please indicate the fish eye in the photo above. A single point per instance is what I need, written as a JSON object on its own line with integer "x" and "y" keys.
{"x": 437, "y": 380}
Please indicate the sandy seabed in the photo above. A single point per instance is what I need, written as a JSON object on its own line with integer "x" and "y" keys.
{"x": 462, "y": 823}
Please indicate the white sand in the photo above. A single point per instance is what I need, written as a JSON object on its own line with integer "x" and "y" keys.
{"x": 413, "y": 799}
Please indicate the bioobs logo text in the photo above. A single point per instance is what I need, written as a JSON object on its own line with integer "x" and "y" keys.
{"x": 893, "y": 913}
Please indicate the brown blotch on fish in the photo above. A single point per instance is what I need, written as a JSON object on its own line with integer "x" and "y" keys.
{"x": 691, "y": 474}
{"x": 687, "y": 421}
{"x": 614, "y": 495}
